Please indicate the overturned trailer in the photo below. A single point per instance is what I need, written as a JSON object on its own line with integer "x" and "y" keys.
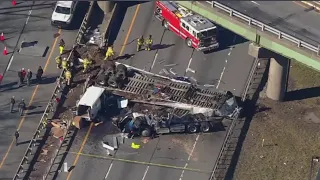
{"x": 150, "y": 102}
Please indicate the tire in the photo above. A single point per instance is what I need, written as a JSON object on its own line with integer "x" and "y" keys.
{"x": 205, "y": 127}
{"x": 192, "y": 128}
{"x": 165, "y": 24}
{"x": 146, "y": 132}
{"x": 101, "y": 80}
{"x": 112, "y": 81}
{"x": 121, "y": 72}
{"x": 189, "y": 43}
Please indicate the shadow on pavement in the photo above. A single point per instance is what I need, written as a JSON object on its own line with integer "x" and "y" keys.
{"x": 48, "y": 80}
{"x": 96, "y": 17}
{"x": 36, "y": 112}
{"x": 302, "y": 94}
{"x": 79, "y": 14}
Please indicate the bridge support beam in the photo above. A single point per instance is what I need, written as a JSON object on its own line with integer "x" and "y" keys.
{"x": 278, "y": 71}
{"x": 106, "y": 6}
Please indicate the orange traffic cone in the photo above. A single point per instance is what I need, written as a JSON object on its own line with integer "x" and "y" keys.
{"x": 5, "y": 51}
{"x": 2, "y": 37}
{"x": 14, "y": 2}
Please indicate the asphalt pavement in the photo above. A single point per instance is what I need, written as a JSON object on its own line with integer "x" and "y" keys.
{"x": 180, "y": 156}
{"x": 287, "y": 16}
{"x": 29, "y": 22}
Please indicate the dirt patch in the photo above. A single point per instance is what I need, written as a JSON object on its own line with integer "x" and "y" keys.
{"x": 283, "y": 137}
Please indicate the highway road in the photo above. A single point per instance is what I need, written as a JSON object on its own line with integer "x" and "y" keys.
{"x": 181, "y": 156}
{"x": 29, "y": 22}
{"x": 287, "y": 16}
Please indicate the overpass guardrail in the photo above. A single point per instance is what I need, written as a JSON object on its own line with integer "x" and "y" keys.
{"x": 264, "y": 27}
{"x": 23, "y": 167}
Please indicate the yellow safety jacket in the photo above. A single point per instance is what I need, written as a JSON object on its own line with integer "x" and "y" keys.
{"x": 86, "y": 62}
{"x": 149, "y": 41}
{"x": 64, "y": 64}
{"x": 68, "y": 75}
{"x": 109, "y": 52}
{"x": 58, "y": 60}
{"x": 140, "y": 41}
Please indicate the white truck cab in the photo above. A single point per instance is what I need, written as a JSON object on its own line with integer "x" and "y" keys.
{"x": 89, "y": 104}
{"x": 63, "y": 13}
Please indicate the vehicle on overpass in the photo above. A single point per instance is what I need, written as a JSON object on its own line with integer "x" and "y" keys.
{"x": 63, "y": 13}
{"x": 148, "y": 102}
{"x": 197, "y": 31}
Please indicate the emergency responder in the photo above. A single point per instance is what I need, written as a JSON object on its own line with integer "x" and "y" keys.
{"x": 86, "y": 62}
{"x": 58, "y": 61}
{"x": 149, "y": 43}
{"x": 22, "y": 107}
{"x": 29, "y": 76}
{"x": 64, "y": 64}
{"x": 16, "y": 135}
{"x": 61, "y": 46}
{"x": 109, "y": 53}
{"x": 140, "y": 43}
{"x": 67, "y": 76}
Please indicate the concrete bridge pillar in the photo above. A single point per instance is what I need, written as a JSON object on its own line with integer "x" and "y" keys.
{"x": 106, "y": 6}
{"x": 278, "y": 71}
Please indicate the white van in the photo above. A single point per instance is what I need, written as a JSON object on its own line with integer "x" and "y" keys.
{"x": 63, "y": 13}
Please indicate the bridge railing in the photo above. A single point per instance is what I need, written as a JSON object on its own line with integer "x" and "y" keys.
{"x": 264, "y": 27}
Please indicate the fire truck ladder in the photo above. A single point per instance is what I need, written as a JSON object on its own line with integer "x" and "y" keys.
{"x": 175, "y": 91}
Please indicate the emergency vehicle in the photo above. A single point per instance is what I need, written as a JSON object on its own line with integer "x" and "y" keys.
{"x": 197, "y": 31}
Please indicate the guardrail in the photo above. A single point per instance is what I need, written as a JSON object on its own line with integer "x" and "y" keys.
{"x": 264, "y": 27}
{"x": 44, "y": 119}
{"x": 228, "y": 137}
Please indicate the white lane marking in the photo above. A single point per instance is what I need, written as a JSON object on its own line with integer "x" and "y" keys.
{"x": 190, "y": 155}
{"x": 11, "y": 59}
{"x": 226, "y": 62}
{"x": 108, "y": 171}
{"x": 171, "y": 71}
{"x": 255, "y": 3}
{"x": 145, "y": 173}
{"x": 28, "y": 16}
{"x": 154, "y": 60}
{"x": 188, "y": 67}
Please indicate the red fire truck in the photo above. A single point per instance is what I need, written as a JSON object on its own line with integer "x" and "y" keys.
{"x": 198, "y": 32}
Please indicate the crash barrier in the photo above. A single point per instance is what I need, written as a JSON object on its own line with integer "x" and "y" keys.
{"x": 227, "y": 144}
{"x": 314, "y": 4}
{"x": 84, "y": 24}
{"x": 264, "y": 27}
{"x": 106, "y": 34}
{"x": 21, "y": 171}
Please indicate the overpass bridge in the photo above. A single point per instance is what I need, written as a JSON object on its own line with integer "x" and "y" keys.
{"x": 273, "y": 38}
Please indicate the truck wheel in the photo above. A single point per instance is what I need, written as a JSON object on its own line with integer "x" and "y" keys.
{"x": 121, "y": 72}
{"x": 146, "y": 133}
{"x": 192, "y": 128}
{"x": 205, "y": 127}
{"x": 112, "y": 81}
{"x": 165, "y": 24}
{"x": 189, "y": 42}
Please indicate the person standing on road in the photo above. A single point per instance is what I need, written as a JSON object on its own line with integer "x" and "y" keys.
{"x": 16, "y": 135}
{"x": 29, "y": 76}
{"x": 149, "y": 43}
{"x": 20, "y": 77}
{"x": 61, "y": 46}
{"x": 68, "y": 77}
{"x": 140, "y": 43}
{"x": 109, "y": 53}
{"x": 23, "y": 74}
{"x": 22, "y": 107}
{"x": 12, "y": 102}
{"x": 39, "y": 74}
{"x": 58, "y": 62}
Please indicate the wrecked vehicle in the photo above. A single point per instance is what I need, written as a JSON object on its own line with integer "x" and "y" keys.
{"x": 148, "y": 103}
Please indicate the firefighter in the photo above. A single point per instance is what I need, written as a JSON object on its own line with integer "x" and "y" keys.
{"x": 149, "y": 43}
{"x": 61, "y": 46}
{"x": 64, "y": 64}
{"x": 86, "y": 62}
{"x": 67, "y": 76}
{"x": 58, "y": 61}
{"x": 140, "y": 43}
{"x": 109, "y": 53}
